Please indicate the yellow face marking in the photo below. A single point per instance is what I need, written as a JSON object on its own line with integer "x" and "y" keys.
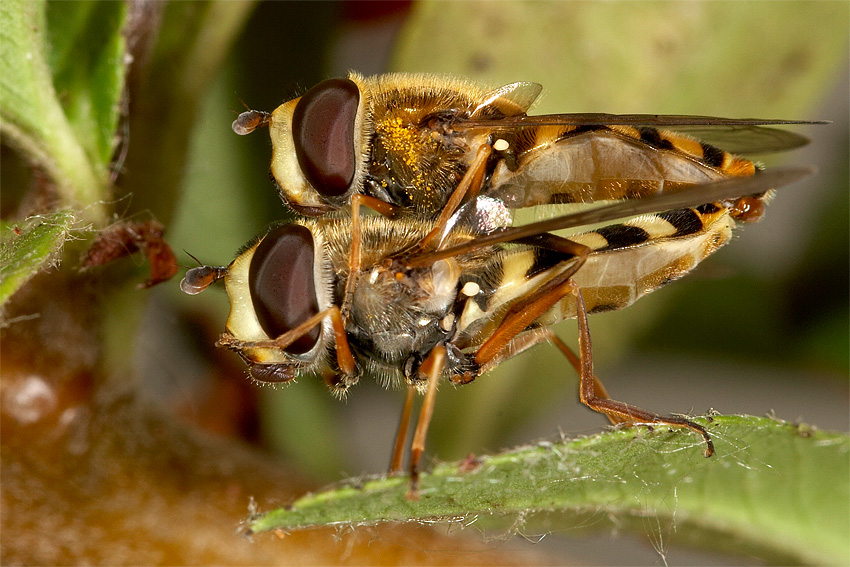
{"x": 242, "y": 321}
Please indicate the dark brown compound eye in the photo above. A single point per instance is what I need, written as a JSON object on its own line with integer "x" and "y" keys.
{"x": 323, "y": 131}
{"x": 281, "y": 283}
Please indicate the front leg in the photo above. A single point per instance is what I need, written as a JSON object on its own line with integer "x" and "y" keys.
{"x": 469, "y": 186}
{"x": 354, "y": 257}
{"x": 344, "y": 357}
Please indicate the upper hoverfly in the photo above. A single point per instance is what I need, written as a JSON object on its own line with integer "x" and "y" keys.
{"x": 406, "y": 144}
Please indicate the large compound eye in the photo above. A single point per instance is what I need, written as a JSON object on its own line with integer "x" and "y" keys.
{"x": 281, "y": 283}
{"x": 323, "y": 131}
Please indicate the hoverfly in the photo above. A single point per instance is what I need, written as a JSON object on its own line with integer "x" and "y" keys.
{"x": 414, "y": 145}
{"x": 458, "y": 308}
{"x": 408, "y": 141}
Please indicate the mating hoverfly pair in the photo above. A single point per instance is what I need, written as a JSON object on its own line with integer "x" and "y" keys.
{"x": 442, "y": 284}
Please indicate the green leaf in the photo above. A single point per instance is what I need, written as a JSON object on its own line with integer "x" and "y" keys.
{"x": 87, "y": 62}
{"x": 38, "y": 244}
{"x": 763, "y": 490}
{"x": 66, "y": 127}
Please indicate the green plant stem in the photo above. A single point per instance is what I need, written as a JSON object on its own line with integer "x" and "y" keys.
{"x": 31, "y": 117}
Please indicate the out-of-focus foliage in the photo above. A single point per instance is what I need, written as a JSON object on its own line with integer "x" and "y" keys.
{"x": 26, "y": 249}
{"x": 63, "y": 72}
{"x": 713, "y": 58}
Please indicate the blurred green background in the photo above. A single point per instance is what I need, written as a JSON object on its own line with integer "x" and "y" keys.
{"x": 760, "y": 327}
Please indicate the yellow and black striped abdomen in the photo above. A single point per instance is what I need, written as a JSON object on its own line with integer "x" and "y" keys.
{"x": 628, "y": 260}
{"x": 588, "y": 164}
{"x": 728, "y": 164}
{"x": 634, "y": 258}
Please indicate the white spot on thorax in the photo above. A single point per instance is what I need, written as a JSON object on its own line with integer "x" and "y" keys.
{"x": 470, "y": 289}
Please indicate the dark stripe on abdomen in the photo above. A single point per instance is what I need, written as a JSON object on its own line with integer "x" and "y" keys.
{"x": 622, "y": 236}
{"x": 708, "y": 209}
{"x": 571, "y": 131}
{"x": 685, "y": 221}
{"x": 653, "y": 138}
{"x": 712, "y": 156}
{"x": 545, "y": 259}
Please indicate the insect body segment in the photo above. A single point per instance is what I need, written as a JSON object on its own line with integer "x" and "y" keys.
{"x": 569, "y": 164}
{"x": 380, "y": 136}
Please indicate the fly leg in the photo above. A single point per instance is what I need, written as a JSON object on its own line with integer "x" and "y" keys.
{"x": 401, "y": 434}
{"x": 469, "y": 186}
{"x": 536, "y": 336}
{"x": 613, "y": 409}
{"x": 525, "y": 312}
{"x": 433, "y": 367}
{"x": 575, "y": 361}
{"x": 358, "y": 200}
{"x": 344, "y": 357}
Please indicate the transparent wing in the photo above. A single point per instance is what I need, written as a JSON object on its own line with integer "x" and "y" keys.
{"x": 737, "y": 135}
{"x": 509, "y": 100}
{"x": 746, "y": 139}
{"x": 726, "y": 189}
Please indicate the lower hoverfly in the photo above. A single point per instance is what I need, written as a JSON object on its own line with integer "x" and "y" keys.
{"x": 455, "y": 309}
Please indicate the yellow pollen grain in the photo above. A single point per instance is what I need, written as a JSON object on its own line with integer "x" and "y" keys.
{"x": 400, "y": 140}
{"x": 404, "y": 141}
